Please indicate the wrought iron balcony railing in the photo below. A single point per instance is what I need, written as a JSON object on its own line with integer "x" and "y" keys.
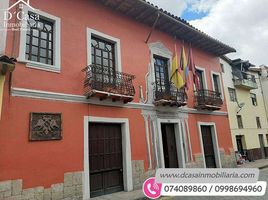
{"x": 105, "y": 82}
{"x": 169, "y": 95}
{"x": 208, "y": 100}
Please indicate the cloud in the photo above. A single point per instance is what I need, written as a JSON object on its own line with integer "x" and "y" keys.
{"x": 175, "y": 7}
{"x": 199, "y": 6}
{"x": 241, "y": 24}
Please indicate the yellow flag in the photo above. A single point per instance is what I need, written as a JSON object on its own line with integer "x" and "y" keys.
{"x": 176, "y": 73}
{"x": 2, "y": 81}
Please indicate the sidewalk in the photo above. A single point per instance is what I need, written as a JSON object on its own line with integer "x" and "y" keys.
{"x": 138, "y": 194}
{"x": 261, "y": 164}
{"x": 133, "y": 195}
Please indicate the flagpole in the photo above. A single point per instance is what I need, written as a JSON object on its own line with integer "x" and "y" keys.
{"x": 176, "y": 70}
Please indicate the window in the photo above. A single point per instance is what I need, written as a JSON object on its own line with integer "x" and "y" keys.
{"x": 258, "y": 121}
{"x": 40, "y": 42}
{"x": 103, "y": 57}
{"x": 103, "y": 50}
{"x": 216, "y": 83}
{"x": 161, "y": 74}
{"x": 102, "y": 53}
{"x": 200, "y": 74}
{"x": 267, "y": 138}
{"x": 253, "y": 99}
{"x": 232, "y": 94}
{"x": 222, "y": 68}
{"x": 239, "y": 121}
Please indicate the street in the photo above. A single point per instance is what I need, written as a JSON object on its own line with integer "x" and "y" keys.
{"x": 263, "y": 177}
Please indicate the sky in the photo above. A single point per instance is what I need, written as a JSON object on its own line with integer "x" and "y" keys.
{"x": 242, "y": 24}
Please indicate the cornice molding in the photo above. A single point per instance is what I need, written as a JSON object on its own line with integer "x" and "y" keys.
{"x": 46, "y": 95}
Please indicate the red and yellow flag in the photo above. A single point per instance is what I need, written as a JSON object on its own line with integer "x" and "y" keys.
{"x": 176, "y": 72}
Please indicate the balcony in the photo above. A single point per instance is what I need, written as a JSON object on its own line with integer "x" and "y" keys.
{"x": 169, "y": 97}
{"x": 208, "y": 100}
{"x": 104, "y": 82}
{"x": 245, "y": 81}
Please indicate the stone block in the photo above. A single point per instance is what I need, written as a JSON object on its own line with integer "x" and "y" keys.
{"x": 79, "y": 190}
{"x": 57, "y": 191}
{"x": 28, "y": 194}
{"x": 16, "y": 187}
{"x": 69, "y": 191}
{"x": 5, "y": 186}
{"x": 47, "y": 194}
{"x": 57, "y": 188}
{"x": 39, "y": 196}
{"x": 18, "y": 197}
{"x": 77, "y": 178}
{"x": 68, "y": 179}
{"x": 57, "y": 195}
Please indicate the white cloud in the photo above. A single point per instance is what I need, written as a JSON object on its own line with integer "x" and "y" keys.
{"x": 242, "y": 24}
{"x": 203, "y": 6}
{"x": 175, "y": 7}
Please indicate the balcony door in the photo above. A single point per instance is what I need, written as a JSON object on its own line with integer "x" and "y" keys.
{"x": 200, "y": 75}
{"x": 103, "y": 61}
{"x": 161, "y": 75}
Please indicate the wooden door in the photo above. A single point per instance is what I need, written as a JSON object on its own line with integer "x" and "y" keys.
{"x": 262, "y": 146}
{"x": 105, "y": 159}
{"x": 169, "y": 146}
{"x": 208, "y": 147}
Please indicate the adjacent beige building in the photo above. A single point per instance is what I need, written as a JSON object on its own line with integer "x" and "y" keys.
{"x": 246, "y": 108}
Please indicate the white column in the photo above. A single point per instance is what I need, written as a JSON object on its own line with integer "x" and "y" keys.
{"x": 148, "y": 141}
{"x": 3, "y": 31}
{"x": 189, "y": 139}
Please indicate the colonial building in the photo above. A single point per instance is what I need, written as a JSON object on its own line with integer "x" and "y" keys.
{"x": 89, "y": 109}
{"x": 246, "y": 108}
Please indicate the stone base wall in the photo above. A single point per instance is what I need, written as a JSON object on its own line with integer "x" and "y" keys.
{"x": 254, "y": 154}
{"x": 139, "y": 175}
{"x": 198, "y": 162}
{"x": 71, "y": 189}
{"x": 228, "y": 161}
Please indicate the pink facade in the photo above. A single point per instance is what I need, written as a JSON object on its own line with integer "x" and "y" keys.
{"x": 32, "y": 90}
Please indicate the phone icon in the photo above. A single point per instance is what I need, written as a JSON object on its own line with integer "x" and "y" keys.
{"x": 151, "y": 189}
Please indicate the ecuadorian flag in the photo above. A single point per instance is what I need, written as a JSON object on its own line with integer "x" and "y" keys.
{"x": 176, "y": 72}
{"x": 184, "y": 67}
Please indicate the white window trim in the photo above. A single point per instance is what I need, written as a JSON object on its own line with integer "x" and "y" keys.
{"x": 56, "y": 67}
{"x": 109, "y": 38}
{"x": 212, "y": 81}
{"x": 204, "y": 77}
{"x": 126, "y": 147}
{"x": 215, "y": 142}
{"x": 158, "y": 49}
{"x": 178, "y": 135}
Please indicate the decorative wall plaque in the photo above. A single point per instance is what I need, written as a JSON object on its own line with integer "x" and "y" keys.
{"x": 45, "y": 126}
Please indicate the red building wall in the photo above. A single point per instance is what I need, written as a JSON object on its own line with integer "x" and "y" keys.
{"x": 44, "y": 163}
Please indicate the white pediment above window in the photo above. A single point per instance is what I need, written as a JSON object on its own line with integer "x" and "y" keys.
{"x": 160, "y": 49}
